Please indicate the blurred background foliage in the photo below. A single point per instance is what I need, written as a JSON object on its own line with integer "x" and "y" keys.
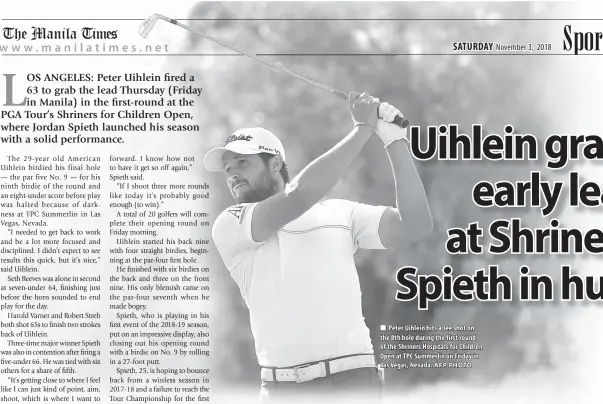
{"x": 430, "y": 90}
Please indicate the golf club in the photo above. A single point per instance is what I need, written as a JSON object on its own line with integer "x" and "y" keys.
{"x": 149, "y": 23}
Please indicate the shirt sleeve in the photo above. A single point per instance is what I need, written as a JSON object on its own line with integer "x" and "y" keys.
{"x": 231, "y": 233}
{"x": 364, "y": 225}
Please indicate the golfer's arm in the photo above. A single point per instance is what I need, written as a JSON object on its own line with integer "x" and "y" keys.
{"x": 308, "y": 187}
{"x": 411, "y": 220}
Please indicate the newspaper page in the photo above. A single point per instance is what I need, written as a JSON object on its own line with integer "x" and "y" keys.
{"x": 300, "y": 202}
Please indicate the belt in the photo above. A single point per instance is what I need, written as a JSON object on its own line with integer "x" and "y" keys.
{"x": 314, "y": 370}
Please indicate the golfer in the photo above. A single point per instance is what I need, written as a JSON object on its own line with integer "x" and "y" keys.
{"x": 290, "y": 251}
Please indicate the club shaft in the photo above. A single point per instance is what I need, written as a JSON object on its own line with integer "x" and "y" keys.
{"x": 150, "y": 22}
{"x": 260, "y": 59}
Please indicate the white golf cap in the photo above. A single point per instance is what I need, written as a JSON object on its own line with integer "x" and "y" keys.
{"x": 244, "y": 141}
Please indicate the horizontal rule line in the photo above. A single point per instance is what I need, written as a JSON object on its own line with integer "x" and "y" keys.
{"x": 309, "y": 54}
{"x": 310, "y": 19}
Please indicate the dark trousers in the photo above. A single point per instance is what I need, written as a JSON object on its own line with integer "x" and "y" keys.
{"x": 354, "y": 386}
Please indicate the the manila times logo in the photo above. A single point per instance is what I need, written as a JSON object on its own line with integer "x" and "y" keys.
{"x": 581, "y": 42}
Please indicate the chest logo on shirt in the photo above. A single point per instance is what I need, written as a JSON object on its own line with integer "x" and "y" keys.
{"x": 238, "y": 212}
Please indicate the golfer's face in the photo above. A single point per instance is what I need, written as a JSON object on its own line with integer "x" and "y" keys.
{"x": 245, "y": 173}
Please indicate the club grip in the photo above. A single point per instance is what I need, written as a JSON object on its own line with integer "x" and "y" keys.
{"x": 398, "y": 120}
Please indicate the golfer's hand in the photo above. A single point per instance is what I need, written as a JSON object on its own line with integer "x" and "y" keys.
{"x": 363, "y": 108}
{"x": 389, "y": 132}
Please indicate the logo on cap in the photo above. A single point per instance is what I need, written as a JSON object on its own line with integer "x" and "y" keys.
{"x": 270, "y": 150}
{"x": 234, "y": 138}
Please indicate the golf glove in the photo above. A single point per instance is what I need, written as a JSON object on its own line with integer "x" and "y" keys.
{"x": 389, "y": 132}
